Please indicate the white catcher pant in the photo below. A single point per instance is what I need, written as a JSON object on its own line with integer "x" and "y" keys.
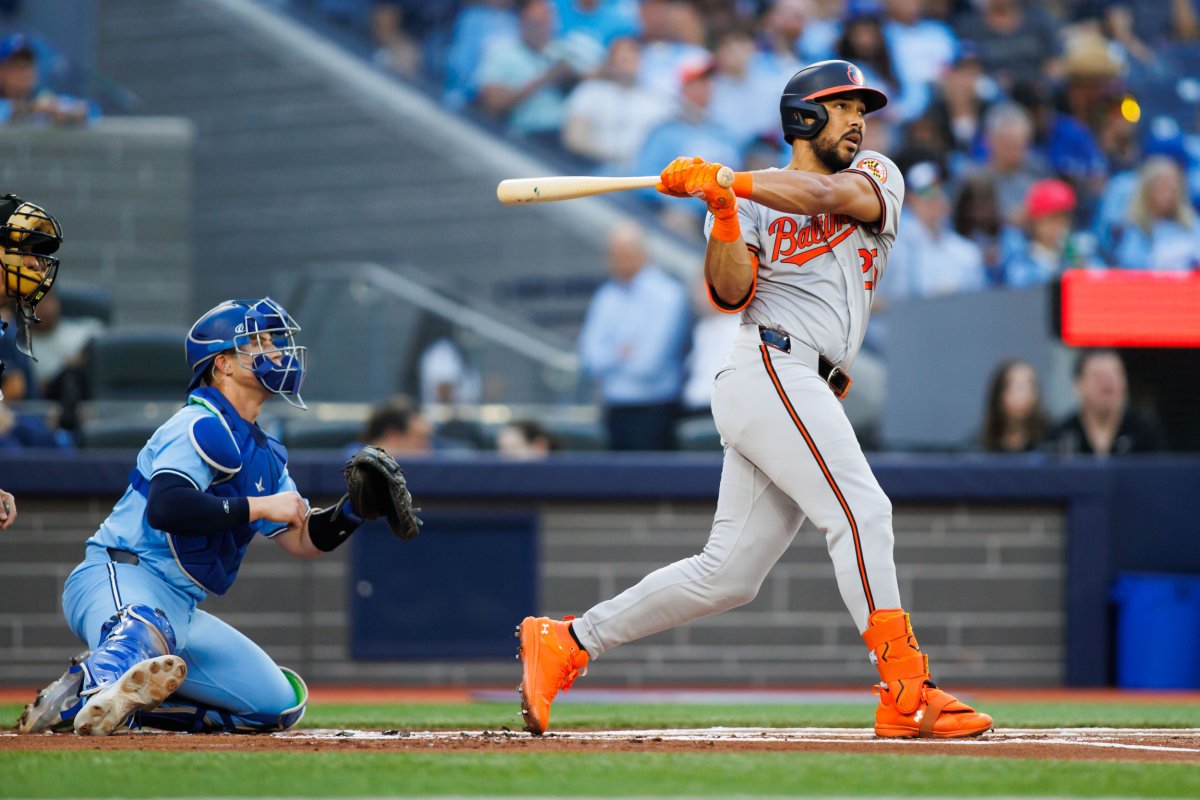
{"x": 790, "y": 452}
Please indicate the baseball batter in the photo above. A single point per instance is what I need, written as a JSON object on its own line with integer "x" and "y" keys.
{"x": 799, "y": 257}
{"x": 207, "y": 483}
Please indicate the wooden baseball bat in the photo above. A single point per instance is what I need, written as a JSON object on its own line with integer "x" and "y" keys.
{"x": 519, "y": 191}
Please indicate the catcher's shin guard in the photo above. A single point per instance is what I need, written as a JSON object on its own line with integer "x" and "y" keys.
{"x": 551, "y": 660}
{"x": 184, "y": 715}
{"x": 56, "y": 705}
{"x": 910, "y": 704}
{"x": 133, "y": 667}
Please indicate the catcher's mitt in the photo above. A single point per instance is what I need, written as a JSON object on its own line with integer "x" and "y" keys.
{"x": 376, "y": 488}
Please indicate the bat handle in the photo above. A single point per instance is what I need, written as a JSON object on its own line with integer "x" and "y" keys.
{"x": 725, "y": 177}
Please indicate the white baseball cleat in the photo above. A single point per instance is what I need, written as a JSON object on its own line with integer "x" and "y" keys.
{"x": 143, "y": 686}
{"x": 46, "y": 711}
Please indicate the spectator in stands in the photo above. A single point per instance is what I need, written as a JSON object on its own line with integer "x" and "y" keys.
{"x": 692, "y": 132}
{"x": 921, "y": 49}
{"x": 631, "y": 345}
{"x": 400, "y": 27}
{"x": 1014, "y": 420}
{"x": 524, "y": 81}
{"x": 1047, "y": 246}
{"x": 745, "y": 99}
{"x": 1162, "y": 136}
{"x": 862, "y": 43}
{"x": 23, "y": 99}
{"x": 526, "y": 440}
{"x": 1092, "y": 84}
{"x": 712, "y": 336}
{"x": 1104, "y": 424}
{"x": 780, "y": 34}
{"x": 602, "y": 20}
{"x": 398, "y": 428}
{"x": 608, "y": 116}
{"x": 1161, "y": 230}
{"x": 62, "y": 354}
{"x": 1062, "y": 142}
{"x": 1017, "y": 41}
{"x": 480, "y": 25}
{"x": 929, "y": 258}
{"x": 1152, "y": 26}
{"x": 19, "y": 430}
{"x": 977, "y": 217}
{"x": 950, "y": 126}
{"x": 820, "y": 29}
{"x": 673, "y": 38}
{"x": 1011, "y": 162}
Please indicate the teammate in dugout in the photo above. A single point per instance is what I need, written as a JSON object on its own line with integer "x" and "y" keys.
{"x": 799, "y": 258}
{"x": 30, "y": 236}
{"x": 206, "y": 484}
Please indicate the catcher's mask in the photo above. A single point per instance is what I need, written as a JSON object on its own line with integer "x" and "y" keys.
{"x": 30, "y": 235}
{"x": 803, "y": 116}
{"x": 239, "y": 325}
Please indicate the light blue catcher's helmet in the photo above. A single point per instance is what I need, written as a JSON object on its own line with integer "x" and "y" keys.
{"x": 233, "y": 325}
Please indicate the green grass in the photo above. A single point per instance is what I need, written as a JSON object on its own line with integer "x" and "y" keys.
{"x": 105, "y": 773}
{"x": 108, "y": 774}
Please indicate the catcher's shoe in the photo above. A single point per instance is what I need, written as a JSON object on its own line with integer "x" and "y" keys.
{"x": 910, "y": 704}
{"x": 143, "y": 686}
{"x": 55, "y": 706}
{"x": 551, "y": 660}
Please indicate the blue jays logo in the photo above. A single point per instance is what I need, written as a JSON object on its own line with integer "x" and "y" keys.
{"x": 856, "y": 76}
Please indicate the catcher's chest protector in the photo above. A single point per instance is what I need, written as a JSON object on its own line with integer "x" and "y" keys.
{"x": 213, "y": 561}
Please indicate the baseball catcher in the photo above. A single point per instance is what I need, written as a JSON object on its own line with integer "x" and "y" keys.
{"x": 208, "y": 483}
{"x": 375, "y": 487}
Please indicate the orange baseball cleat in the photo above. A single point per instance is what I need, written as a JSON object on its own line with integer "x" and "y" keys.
{"x": 551, "y": 660}
{"x": 910, "y": 704}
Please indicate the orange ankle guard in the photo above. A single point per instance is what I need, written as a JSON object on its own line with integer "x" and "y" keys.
{"x": 903, "y": 668}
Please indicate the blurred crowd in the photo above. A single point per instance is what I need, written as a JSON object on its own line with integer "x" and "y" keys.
{"x": 1038, "y": 136}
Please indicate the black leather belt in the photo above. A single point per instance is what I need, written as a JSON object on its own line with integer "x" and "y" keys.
{"x": 837, "y": 378}
{"x": 122, "y": 556}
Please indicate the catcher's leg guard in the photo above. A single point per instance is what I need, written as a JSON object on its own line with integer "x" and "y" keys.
{"x": 185, "y": 715}
{"x": 56, "y": 705}
{"x": 133, "y": 667}
{"x": 910, "y": 704}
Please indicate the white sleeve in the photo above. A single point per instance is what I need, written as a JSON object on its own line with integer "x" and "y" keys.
{"x": 888, "y": 184}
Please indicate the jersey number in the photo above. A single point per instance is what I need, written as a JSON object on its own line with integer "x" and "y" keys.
{"x": 868, "y": 266}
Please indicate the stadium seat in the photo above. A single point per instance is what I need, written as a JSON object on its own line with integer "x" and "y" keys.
{"x": 119, "y": 432}
{"x": 316, "y": 434}
{"x": 86, "y": 301}
{"x": 698, "y": 434}
{"x": 138, "y": 365}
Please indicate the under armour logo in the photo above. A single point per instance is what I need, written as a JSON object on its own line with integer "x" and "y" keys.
{"x": 545, "y": 628}
{"x": 259, "y": 484}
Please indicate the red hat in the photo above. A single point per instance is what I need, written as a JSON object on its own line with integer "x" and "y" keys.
{"x": 694, "y": 70}
{"x": 1049, "y": 196}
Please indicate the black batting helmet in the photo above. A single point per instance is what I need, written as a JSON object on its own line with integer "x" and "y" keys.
{"x": 823, "y": 79}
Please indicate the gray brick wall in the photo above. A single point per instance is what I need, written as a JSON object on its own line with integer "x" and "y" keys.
{"x": 985, "y": 585}
{"x": 122, "y": 190}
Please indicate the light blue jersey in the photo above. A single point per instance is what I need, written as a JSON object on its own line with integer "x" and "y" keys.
{"x": 171, "y": 450}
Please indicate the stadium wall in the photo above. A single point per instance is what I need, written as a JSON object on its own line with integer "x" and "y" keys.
{"x": 1006, "y": 564}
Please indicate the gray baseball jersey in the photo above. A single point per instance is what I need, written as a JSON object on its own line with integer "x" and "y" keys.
{"x": 817, "y": 274}
{"x": 790, "y": 451}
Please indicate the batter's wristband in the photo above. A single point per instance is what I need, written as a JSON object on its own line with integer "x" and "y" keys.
{"x": 726, "y": 229}
{"x": 743, "y": 184}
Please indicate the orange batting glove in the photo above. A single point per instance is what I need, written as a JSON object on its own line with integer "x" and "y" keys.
{"x": 673, "y": 180}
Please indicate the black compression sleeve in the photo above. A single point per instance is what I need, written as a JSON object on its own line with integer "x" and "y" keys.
{"x": 174, "y": 505}
{"x": 329, "y": 527}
